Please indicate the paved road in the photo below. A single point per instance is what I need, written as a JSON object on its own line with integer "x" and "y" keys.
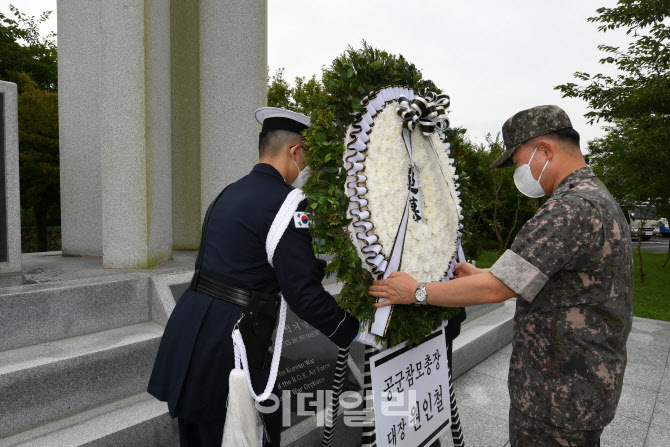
{"x": 641, "y": 417}
{"x": 656, "y": 244}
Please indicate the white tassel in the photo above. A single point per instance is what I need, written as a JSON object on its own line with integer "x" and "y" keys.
{"x": 240, "y": 429}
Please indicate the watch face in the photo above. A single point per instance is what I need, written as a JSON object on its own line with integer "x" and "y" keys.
{"x": 420, "y": 294}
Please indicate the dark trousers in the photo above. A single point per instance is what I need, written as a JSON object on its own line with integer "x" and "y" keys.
{"x": 203, "y": 434}
{"x": 210, "y": 434}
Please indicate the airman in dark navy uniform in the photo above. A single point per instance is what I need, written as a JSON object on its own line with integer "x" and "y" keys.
{"x": 196, "y": 353}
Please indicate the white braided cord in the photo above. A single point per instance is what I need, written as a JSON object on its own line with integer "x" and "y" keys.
{"x": 277, "y": 230}
{"x": 281, "y": 221}
{"x": 241, "y": 356}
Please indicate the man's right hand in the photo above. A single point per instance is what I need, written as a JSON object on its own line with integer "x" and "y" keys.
{"x": 464, "y": 269}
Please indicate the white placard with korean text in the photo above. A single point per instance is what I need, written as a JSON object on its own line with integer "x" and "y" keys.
{"x": 411, "y": 393}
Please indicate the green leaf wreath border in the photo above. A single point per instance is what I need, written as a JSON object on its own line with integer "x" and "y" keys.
{"x": 350, "y": 78}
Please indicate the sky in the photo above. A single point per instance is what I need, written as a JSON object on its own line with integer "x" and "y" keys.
{"x": 494, "y": 58}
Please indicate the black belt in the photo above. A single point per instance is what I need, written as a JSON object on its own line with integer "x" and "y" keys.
{"x": 225, "y": 292}
{"x": 222, "y": 291}
{"x": 215, "y": 288}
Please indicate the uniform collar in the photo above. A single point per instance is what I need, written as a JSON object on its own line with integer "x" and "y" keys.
{"x": 573, "y": 179}
{"x": 265, "y": 168}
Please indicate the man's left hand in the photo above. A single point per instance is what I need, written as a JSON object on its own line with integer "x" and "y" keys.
{"x": 399, "y": 288}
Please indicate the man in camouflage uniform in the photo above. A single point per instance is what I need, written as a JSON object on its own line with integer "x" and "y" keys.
{"x": 571, "y": 266}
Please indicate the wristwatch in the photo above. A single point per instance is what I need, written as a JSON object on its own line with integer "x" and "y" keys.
{"x": 420, "y": 293}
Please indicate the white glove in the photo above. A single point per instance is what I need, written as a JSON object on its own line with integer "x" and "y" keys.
{"x": 368, "y": 339}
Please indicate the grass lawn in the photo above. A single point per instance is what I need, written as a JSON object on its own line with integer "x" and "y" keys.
{"x": 487, "y": 258}
{"x": 651, "y": 298}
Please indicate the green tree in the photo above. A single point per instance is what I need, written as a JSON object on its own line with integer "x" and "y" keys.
{"x": 30, "y": 60}
{"x": 38, "y": 152}
{"x": 494, "y": 208}
{"x": 309, "y": 95}
{"x": 23, "y": 50}
{"x": 632, "y": 159}
{"x": 507, "y": 209}
{"x": 643, "y": 87}
{"x": 306, "y": 96}
{"x": 469, "y": 166}
{"x": 279, "y": 92}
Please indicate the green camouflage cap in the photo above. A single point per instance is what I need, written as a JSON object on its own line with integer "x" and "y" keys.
{"x": 527, "y": 125}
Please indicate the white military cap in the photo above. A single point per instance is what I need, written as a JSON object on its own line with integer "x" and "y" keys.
{"x": 274, "y": 118}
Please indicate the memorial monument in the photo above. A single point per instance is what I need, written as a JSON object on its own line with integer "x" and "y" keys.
{"x": 156, "y": 117}
{"x": 10, "y": 216}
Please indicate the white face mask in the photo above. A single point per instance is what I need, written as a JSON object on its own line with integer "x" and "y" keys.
{"x": 302, "y": 175}
{"x": 526, "y": 183}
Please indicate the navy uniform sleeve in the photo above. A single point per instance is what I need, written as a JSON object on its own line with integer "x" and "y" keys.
{"x": 299, "y": 274}
{"x": 548, "y": 242}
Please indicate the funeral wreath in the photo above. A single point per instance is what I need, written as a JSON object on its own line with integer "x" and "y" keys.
{"x": 383, "y": 193}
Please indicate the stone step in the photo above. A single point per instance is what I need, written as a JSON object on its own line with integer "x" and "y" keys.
{"x": 138, "y": 420}
{"x": 51, "y": 381}
{"x": 482, "y": 336}
{"x": 40, "y": 313}
{"x": 474, "y": 312}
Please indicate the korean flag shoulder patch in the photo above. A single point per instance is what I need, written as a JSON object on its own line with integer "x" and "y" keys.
{"x": 300, "y": 220}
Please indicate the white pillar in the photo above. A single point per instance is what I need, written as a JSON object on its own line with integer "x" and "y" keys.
{"x": 135, "y": 137}
{"x": 146, "y": 141}
{"x": 10, "y": 227}
{"x": 158, "y": 134}
{"x": 79, "y": 88}
{"x": 233, "y": 84}
{"x": 185, "y": 59}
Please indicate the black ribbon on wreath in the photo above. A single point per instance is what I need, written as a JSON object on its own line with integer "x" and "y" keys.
{"x": 429, "y": 112}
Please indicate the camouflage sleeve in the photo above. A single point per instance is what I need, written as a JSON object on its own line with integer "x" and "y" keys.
{"x": 545, "y": 244}
{"x": 521, "y": 276}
